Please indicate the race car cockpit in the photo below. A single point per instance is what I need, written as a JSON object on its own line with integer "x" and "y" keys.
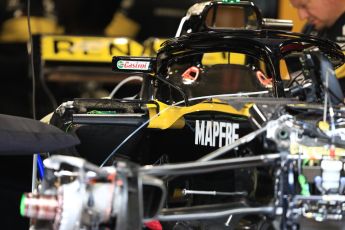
{"x": 217, "y": 73}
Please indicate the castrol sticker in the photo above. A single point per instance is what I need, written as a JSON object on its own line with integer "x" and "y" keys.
{"x": 133, "y": 65}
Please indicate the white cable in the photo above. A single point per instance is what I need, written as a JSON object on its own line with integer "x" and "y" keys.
{"x": 179, "y": 30}
{"x": 123, "y": 82}
{"x": 131, "y": 98}
{"x": 229, "y": 95}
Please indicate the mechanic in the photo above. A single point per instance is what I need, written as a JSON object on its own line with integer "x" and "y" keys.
{"x": 326, "y": 19}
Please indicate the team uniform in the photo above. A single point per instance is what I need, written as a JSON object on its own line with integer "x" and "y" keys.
{"x": 335, "y": 33}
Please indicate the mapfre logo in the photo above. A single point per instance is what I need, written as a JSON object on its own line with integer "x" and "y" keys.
{"x": 133, "y": 65}
{"x": 213, "y": 133}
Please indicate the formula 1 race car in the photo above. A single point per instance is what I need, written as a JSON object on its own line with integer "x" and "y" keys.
{"x": 235, "y": 127}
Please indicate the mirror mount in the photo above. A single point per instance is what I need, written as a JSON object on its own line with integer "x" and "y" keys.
{"x": 228, "y": 15}
{"x": 231, "y": 15}
{"x": 277, "y": 24}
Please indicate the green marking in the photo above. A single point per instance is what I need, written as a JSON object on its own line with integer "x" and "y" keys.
{"x": 304, "y": 185}
{"x": 305, "y": 161}
{"x": 119, "y": 64}
{"x": 101, "y": 112}
{"x": 22, "y": 205}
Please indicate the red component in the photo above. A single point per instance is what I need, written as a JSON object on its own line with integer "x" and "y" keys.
{"x": 191, "y": 73}
{"x": 154, "y": 225}
{"x": 111, "y": 177}
{"x": 263, "y": 79}
{"x": 332, "y": 152}
{"x": 293, "y": 47}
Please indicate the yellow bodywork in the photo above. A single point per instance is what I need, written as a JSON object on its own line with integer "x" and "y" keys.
{"x": 87, "y": 49}
{"x": 223, "y": 58}
{"x": 340, "y": 72}
{"x": 172, "y": 117}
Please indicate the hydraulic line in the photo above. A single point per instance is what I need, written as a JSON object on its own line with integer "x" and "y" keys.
{"x": 268, "y": 210}
{"x": 209, "y": 166}
{"x": 212, "y": 193}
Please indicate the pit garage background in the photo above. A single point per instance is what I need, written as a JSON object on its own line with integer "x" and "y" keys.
{"x": 58, "y": 81}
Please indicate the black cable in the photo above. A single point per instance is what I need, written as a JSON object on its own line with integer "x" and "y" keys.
{"x": 31, "y": 54}
{"x": 294, "y": 79}
{"x": 185, "y": 98}
{"x": 44, "y": 86}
